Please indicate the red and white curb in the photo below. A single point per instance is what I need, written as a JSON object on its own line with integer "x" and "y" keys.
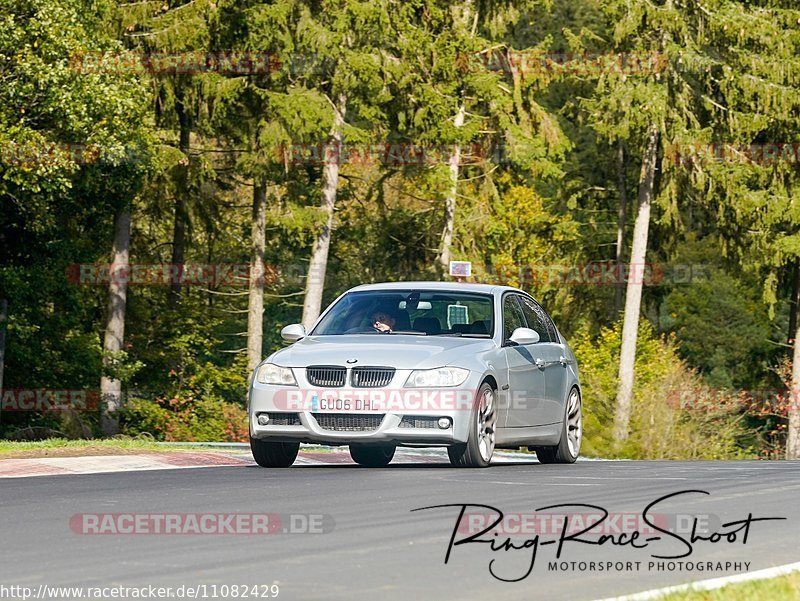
{"x": 99, "y": 464}
{"x": 55, "y": 466}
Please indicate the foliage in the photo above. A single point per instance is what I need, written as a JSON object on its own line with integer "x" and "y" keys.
{"x": 665, "y": 423}
{"x": 538, "y": 195}
{"x": 185, "y": 419}
{"x": 781, "y": 587}
{"x": 721, "y": 326}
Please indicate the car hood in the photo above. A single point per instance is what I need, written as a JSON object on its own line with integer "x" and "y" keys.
{"x": 393, "y": 350}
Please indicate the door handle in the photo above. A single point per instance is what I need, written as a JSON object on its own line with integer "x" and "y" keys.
{"x": 540, "y": 363}
{"x": 563, "y": 360}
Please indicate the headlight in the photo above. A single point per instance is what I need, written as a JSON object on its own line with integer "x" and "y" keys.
{"x": 269, "y": 373}
{"x": 442, "y": 376}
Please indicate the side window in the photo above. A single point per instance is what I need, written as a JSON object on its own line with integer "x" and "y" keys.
{"x": 538, "y": 320}
{"x": 551, "y": 327}
{"x": 512, "y": 316}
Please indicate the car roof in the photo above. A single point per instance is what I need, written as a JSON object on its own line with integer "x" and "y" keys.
{"x": 449, "y": 286}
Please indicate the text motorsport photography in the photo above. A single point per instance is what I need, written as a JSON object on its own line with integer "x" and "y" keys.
{"x": 667, "y": 542}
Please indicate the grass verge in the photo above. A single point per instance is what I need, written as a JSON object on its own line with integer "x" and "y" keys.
{"x": 782, "y": 588}
{"x": 61, "y": 447}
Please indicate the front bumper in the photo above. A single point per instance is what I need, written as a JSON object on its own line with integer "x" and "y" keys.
{"x": 312, "y": 424}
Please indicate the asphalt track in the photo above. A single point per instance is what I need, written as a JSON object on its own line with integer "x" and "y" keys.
{"x": 376, "y": 547}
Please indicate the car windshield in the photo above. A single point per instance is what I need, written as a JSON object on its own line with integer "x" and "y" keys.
{"x": 419, "y": 312}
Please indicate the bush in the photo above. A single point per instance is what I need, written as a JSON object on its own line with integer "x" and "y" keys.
{"x": 666, "y": 423}
{"x": 185, "y": 420}
{"x": 201, "y": 401}
{"x": 722, "y": 329}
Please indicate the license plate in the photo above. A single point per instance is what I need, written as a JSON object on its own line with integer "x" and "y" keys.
{"x": 334, "y": 405}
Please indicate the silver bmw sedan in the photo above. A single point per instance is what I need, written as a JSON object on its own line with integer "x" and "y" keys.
{"x": 470, "y": 367}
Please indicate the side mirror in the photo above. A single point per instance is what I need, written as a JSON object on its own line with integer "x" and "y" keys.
{"x": 293, "y": 332}
{"x": 524, "y": 336}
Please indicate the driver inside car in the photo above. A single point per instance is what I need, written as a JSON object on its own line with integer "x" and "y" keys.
{"x": 382, "y": 321}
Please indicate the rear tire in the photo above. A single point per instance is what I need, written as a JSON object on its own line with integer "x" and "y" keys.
{"x": 568, "y": 448}
{"x": 274, "y": 454}
{"x": 479, "y": 448}
{"x": 372, "y": 455}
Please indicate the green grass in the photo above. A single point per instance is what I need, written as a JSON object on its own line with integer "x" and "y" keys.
{"x": 782, "y": 588}
{"x": 62, "y": 445}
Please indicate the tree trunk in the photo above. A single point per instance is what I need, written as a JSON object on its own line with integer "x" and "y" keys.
{"x": 633, "y": 297}
{"x": 317, "y": 266}
{"x": 621, "y": 214}
{"x": 793, "y": 302}
{"x": 450, "y": 201}
{"x": 181, "y": 207}
{"x": 111, "y": 389}
{"x": 793, "y": 434}
{"x": 255, "y": 311}
{"x": 3, "y": 318}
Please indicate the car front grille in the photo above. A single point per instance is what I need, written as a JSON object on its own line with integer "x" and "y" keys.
{"x": 284, "y": 419}
{"x": 326, "y": 375}
{"x": 419, "y": 421}
{"x": 371, "y": 377}
{"x": 347, "y": 422}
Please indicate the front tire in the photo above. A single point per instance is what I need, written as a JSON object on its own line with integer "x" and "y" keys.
{"x": 372, "y": 455}
{"x": 479, "y": 448}
{"x": 274, "y": 454}
{"x": 569, "y": 447}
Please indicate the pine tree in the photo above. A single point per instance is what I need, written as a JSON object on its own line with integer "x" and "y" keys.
{"x": 464, "y": 89}
{"x": 248, "y": 119}
{"x": 172, "y": 41}
{"x": 335, "y": 86}
{"x": 746, "y": 172}
{"x": 725, "y": 73}
{"x": 653, "y": 100}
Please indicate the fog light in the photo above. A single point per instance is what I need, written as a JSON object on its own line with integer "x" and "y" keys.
{"x": 444, "y": 423}
{"x": 263, "y": 419}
